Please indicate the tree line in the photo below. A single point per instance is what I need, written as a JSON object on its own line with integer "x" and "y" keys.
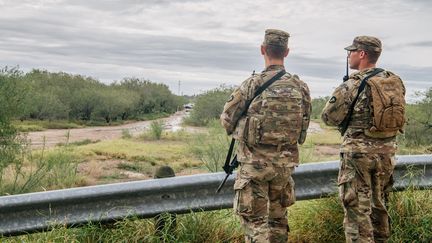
{"x": 44, "y": 95}
{"x": 418, "y": 127}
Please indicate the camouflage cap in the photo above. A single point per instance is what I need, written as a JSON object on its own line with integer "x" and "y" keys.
{"x": 369, "y": 43}
{"x": 276, "y": 37}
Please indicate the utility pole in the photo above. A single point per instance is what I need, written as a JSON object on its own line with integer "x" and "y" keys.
{"x": 179, "y": 88}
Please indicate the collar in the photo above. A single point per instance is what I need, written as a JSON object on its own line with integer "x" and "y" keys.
{"x": 362, "y": 73}
{"x": 274, "y": 67}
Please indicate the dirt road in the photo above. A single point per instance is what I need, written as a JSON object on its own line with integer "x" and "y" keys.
{"x": 52, "y": 137}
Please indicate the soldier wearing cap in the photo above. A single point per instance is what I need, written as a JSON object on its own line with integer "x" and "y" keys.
{"x": 267, "y": 132}
{"x": 367, "y": 159}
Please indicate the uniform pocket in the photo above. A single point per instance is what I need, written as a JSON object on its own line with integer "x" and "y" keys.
{"x": 348, "y": 193}
{"x": 243, "y": 196}
{"x": 253, "y": 133}
{"x": 288, "y": 194}
{"x": 347, "y": 182}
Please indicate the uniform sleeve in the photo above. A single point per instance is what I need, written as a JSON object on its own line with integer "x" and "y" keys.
{"x": 307, "y": 110}
{"x": 235, "y": 106}
{"x": 337, "y": 107}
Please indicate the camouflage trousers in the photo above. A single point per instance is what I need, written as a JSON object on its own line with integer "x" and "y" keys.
{"x": 263, "y": 193}
{"x": 364, "y": 182}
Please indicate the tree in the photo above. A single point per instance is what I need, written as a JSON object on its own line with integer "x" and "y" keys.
{"x": 317, "y": 106}
{"x": 209, "y": 106}
{"x": 418, "y": 129}
{"x": 12, "y": 92}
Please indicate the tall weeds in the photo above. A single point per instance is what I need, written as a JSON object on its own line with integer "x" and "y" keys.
{"x": 212, "y": 147}
{"x": 38, "y": 171}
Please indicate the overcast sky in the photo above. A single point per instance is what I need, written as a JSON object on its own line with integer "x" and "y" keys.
{"x": 207, "y": 43}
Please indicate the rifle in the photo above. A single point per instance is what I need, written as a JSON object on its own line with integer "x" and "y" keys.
{"x": 229, "y": 170}
{"x": 229, "y": 167}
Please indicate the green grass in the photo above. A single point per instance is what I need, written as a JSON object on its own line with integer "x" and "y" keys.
{"x": 317, "y": 220}
{"x": 153, "y": 116}
{"x": 138, "y": 167}
{"x": 154, "y": 153}
{"x": 39, "y": 125}
{"x": 180, "y": 135}
{"x": 79, "y": 143}
{"x": 329, "y": 137}
{"x": 113, "y": 176}
{"x": 216, "y": 226}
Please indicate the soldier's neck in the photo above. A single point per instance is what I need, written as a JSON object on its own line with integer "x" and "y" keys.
{"x": 366, "y": 66}
{"x": 269, "y": 62}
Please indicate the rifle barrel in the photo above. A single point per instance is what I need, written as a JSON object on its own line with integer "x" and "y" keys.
{"x": 222, "y": 184}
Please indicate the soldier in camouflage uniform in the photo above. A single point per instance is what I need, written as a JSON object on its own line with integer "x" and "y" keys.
{"x": 367, "y": 159}
{"x": 268, "y": 134}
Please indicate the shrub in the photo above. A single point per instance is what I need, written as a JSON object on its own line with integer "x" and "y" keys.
{"x": 208, "y": 106}
{"x": 126, "y": 134}
{"x": 156, "y": 128}
{"x": 317, "y": 106}
{"x": 43, "y": 171}
{"x": 418, "y": 130}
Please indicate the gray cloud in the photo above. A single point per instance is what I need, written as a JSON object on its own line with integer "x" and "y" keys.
{"x": 419, "y": 75}
{"x": 203, "y": 43}
{"x": 421, "y": 44}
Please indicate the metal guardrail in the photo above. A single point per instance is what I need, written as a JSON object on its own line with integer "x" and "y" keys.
{"x": 33, "y": 212}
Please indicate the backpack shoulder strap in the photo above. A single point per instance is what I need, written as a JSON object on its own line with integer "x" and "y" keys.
{"x": 262, "y": 88}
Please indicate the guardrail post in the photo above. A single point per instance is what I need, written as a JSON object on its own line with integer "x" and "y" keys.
{"x": 165, "y": 219}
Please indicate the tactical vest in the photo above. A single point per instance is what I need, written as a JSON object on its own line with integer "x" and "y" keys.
{"x": 275, "y": 116}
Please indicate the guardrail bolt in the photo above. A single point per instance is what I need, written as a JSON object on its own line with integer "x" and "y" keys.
{"x": 165, "y": 222}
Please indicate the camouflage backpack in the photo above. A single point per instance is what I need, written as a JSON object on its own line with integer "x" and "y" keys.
{"x": 340, "y": 107}
{"x": 276, "y": 116}
{"x": 387, "y": 105}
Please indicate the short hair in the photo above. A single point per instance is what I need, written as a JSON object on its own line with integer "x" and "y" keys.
{"x": 275, "y": 51}
{"x": 372, "y": 56}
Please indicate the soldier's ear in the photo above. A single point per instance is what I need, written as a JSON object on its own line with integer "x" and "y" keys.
{"x": 262, "y": 50}
{"x": 362, "y": 54}
{"x": 286, "y": 52}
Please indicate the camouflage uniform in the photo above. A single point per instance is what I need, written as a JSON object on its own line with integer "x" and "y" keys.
{"x": 264, "y": 186}
{"x": 366, "y": 168}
